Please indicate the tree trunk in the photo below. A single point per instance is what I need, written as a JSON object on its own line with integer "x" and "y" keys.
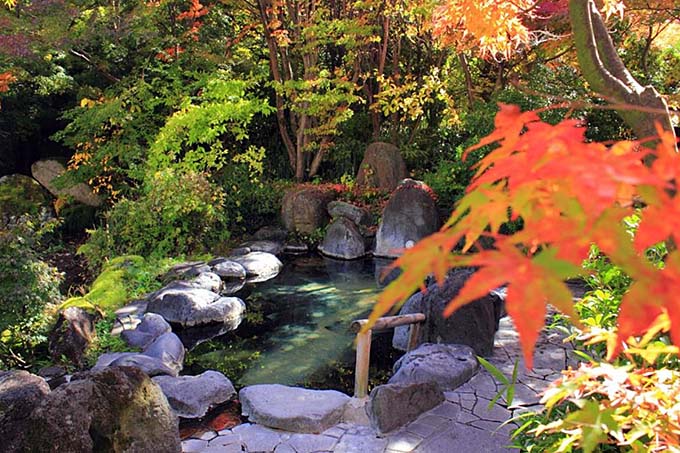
{"x": 640, "y": 107}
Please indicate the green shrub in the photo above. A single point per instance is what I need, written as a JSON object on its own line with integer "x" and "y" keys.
{"x": 182, "y": 213}
{"x": 28, "y": 286}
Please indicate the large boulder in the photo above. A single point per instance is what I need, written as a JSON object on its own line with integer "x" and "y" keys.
{"x": 192, "y": 396}
{"x": 473, "y": 324}
{"x": 20, "y": 393}
{"x": 292, "y": 408}
{"x": 188, "y": 306}
{"x": 382, "y": 167}
{"x": 152, "y": 326}
{"x": 304, "y": 210}
{"x": 392, "y": 406}
{"x": 72, "y": 334}
{"x": 447, "y": 365}
{"x": 259, "y": 266}
{"x": 343, "y": 240}
{"x": 113, "y": 410}
{"x": 410, "y": 215}
{"x": 19, "y": 195}
{"x": 45, "y": 171}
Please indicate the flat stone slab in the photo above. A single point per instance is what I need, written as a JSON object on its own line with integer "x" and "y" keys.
{"x": 292, "y": 408}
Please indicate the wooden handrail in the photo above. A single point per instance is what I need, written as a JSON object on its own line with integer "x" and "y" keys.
{"x": 364, "y": 344}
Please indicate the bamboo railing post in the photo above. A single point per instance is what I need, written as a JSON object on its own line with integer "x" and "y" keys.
{"x": 364, "y": 344}
{"x": 362, "y": 363}
{"x": 413, "y": 336}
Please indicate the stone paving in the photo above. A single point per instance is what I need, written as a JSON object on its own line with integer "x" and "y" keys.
{"x": 463, "y": 423}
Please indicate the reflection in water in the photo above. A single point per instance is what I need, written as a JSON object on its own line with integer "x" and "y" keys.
{"x": 296, "y": 323}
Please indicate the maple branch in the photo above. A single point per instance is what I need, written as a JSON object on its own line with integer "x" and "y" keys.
{"x": 83, "y": 56}
{"x": 608, "y": 76}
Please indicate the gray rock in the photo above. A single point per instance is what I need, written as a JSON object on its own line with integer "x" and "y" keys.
{"x": 149, "y": 365}
{"x": 54, "y": 375}
{"x": 384, "y": 272}
{"x": 392, "y": 406}
{"x": 229, "y": 269}
{"x": 447, "y": 365}
{"x": 409, "y": 216}
{"x": 20, "y": 393}
{"x": 232, "y": 287}
{"x": 168, "y": 349}
{"x": 292, "y": 408}
{"x": 271, "y": 233}
{"x": 343, "y": 240}
{"x": 72, "y": 334}
{"x": 152, "y": 326}
{"x": 382, "y": 167}
{"x": 259, "y": 266}
{"x": 185, "y": 270}
{"x": 295, "y": 248}
{"x": 273, "y": 247}
{"x": 304, "y": 210}
{"x": 45, "y": 171}
{"x": 239, "y": 251}
{"x": 357, "y": 214}
{"x": 474, "y": 324}
{"x": 188, "y": 306}
{"x": 207, "y": 280}
{"x": 193, "y": 396}
{"x": 113, "y": 410}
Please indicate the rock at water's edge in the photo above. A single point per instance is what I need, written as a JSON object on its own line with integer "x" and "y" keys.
{"x": 293, "y": 408}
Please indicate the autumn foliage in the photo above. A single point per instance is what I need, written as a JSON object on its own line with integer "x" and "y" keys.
{"x": 570, "y": 194}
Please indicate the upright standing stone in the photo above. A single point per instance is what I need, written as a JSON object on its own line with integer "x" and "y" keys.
{"x": 473, "y": 324}
{"x": 409, "y": 216}
{"x": 382, "y": 167}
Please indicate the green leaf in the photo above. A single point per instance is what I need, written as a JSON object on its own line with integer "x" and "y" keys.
{"x": 495, "y": 372}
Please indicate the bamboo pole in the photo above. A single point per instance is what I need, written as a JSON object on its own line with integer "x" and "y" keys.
{"x": 364, "y": 344}
{"x": 362, "y": 363}
{"x": 389, "y": 322}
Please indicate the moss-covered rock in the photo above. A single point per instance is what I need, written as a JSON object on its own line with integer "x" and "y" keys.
{"x": 112, "y": 288}
{"x": 118, "y": 409}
